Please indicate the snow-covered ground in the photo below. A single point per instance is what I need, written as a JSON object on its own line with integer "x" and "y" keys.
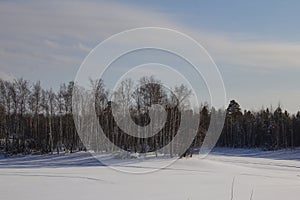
{"x": 225, "y": 172}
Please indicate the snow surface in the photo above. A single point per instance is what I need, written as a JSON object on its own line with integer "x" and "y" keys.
{"x": 270, "y": 175}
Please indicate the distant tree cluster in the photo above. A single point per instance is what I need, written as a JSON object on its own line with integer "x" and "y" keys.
{"x": 267, "y": 129}
{"x": 128, "y": 112}
{"x": 37, "y": 120}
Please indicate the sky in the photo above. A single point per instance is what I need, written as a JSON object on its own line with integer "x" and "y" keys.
{"x": 255, "y": 44}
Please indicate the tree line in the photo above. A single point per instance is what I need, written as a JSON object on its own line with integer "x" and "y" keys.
{"x": 270, "y": 129}
{"x": 37, "y": 120}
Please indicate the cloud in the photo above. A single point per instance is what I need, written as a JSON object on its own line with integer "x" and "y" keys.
{"x": 258, "y": 54}
{"x": 59, "y": 34}
{"x": 247, "y": 52}
{"x": 48, "y": 40}
{"x": 83, "y": 47}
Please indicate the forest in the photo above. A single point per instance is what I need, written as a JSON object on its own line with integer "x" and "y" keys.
{"x": 34, "y": 120}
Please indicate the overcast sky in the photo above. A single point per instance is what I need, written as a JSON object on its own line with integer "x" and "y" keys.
{"x": 255, "y": 44}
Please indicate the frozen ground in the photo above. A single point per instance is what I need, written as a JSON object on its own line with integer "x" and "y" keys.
{"x": 270, "y": 175}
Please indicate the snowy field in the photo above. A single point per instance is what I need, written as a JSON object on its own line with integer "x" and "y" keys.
{"x": 224, "y": 174}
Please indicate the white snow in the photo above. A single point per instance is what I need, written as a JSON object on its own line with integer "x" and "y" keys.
{"x": 270, "y": 175}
